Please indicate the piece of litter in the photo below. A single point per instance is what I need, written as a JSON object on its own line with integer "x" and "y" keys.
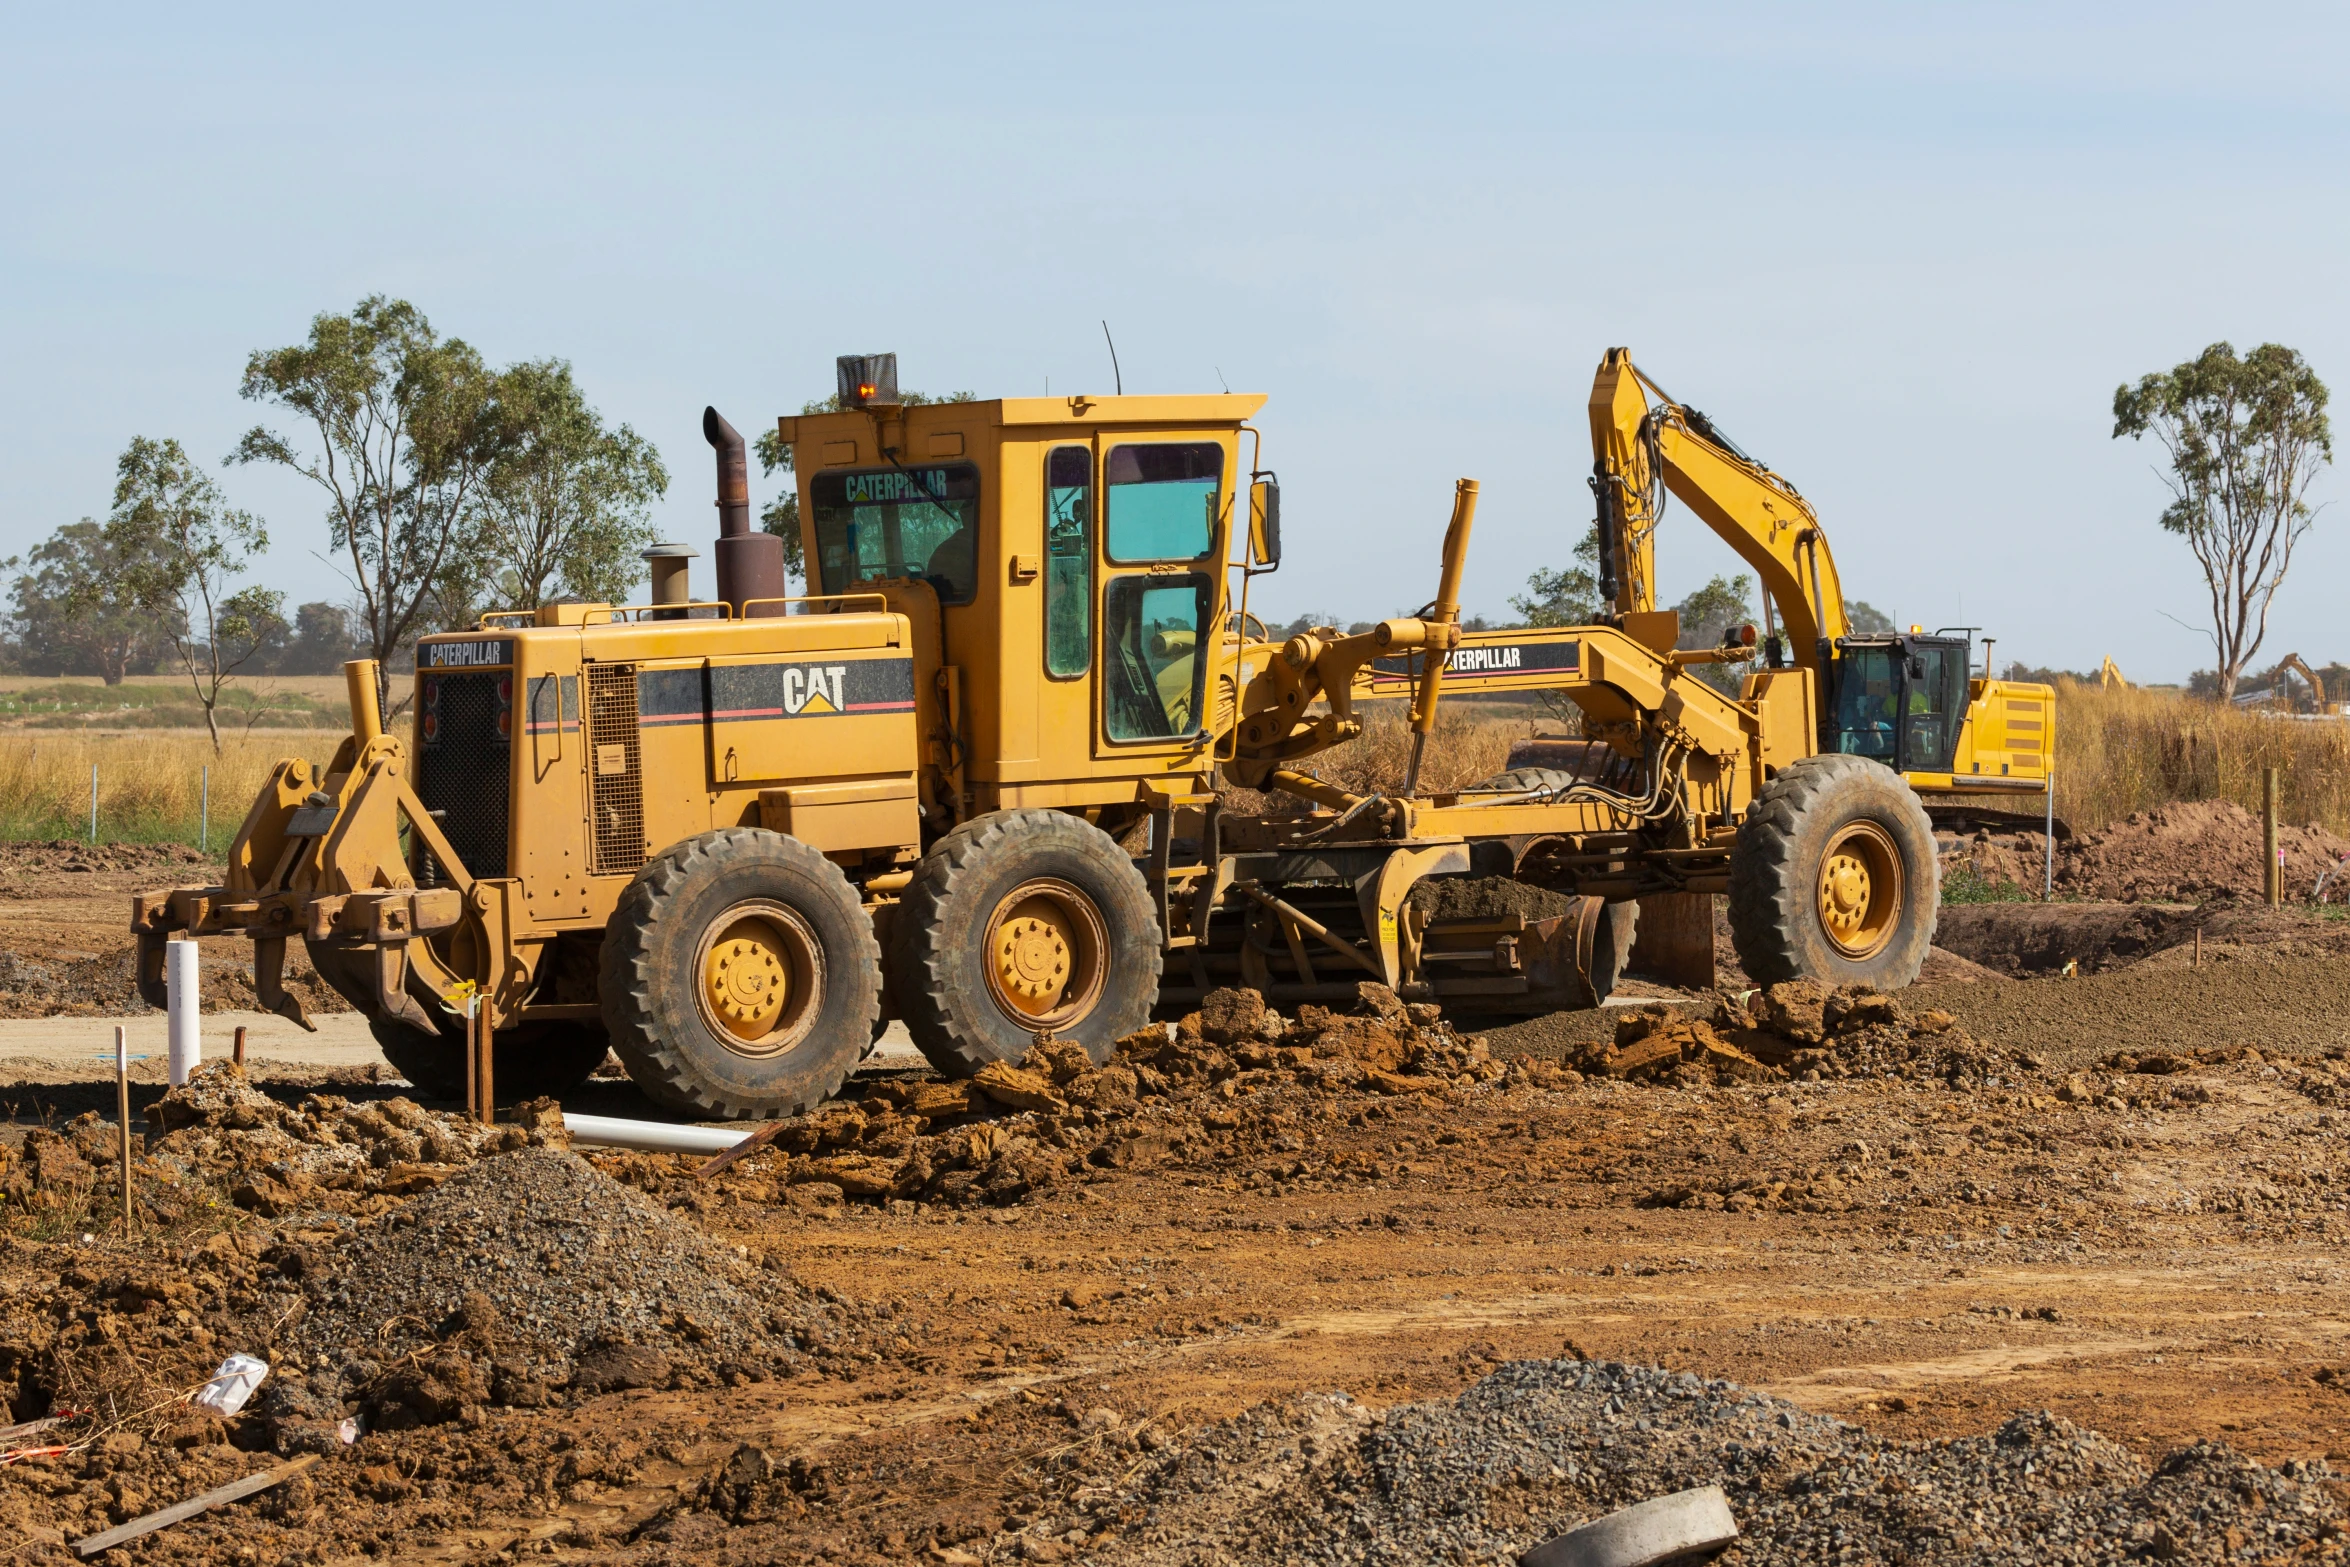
{"x": 231, "y": 1385}
{"x": 348, "y": 1430}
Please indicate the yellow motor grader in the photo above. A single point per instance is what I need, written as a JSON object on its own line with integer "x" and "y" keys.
{"x": 971, "y": 779}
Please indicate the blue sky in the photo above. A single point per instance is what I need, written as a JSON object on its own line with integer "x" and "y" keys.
{"x": 1905, "y": 254}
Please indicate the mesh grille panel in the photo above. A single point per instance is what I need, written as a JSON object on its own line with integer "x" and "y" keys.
{"x": 614, "y": 784}
{"x": 463, "y": 766}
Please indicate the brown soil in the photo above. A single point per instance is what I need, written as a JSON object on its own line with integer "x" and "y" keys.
{"x": 2114, "y": 1196}
{"x": 2188, "y": 852}
{"x": 2142, "y": 1251}
{"x": 65, "y": 941}
{"x": 2021, "y": 939}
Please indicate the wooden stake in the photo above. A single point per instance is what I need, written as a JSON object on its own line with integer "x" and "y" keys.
{"x": 485, "y": 1109}
{"x": 2198, "y": 946}
{"x": 122, "y": 1110}
{"x": 237, "y": 1050}
{"x": 91, "y": 1545}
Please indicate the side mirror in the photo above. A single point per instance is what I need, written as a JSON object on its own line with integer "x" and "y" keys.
{"x": 1917, "y": 668}
{"x": 1264, "y": 521}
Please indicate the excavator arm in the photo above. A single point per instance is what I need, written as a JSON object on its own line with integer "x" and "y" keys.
{"x": 1643, "y": 452}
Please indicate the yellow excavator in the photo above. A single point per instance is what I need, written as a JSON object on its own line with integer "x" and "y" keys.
{"x": 2317, "y": 687}
{"x": 1911, "y": 702}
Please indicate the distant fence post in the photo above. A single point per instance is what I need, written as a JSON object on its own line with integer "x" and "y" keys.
{"x": 93, "y": 802}
{"x": 2048, "y": 842}
{"x": 2273, "y": 875}
{"x": 204, "y": 816}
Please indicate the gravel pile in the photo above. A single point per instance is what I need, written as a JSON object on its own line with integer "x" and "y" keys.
{"x": 563, "y": 1258}
{"x": 1540, "y": 1446}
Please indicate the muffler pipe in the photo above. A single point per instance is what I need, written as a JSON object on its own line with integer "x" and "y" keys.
{"x": 750, "y": 565}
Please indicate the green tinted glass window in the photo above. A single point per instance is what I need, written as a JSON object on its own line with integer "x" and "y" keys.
{"x": 1163, "y": 499}
{"x": 1068, "y": 557}
{"x": 1865, "y": 697}
{"x": 1151, "y": 670}
{"x": 899, "y": 522}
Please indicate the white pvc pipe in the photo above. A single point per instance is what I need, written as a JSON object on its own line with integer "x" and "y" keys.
{"x": 187, "y": 1008}
{"x": 611, "y": 1131}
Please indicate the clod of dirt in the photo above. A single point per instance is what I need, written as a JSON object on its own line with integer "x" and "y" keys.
{"x": 1540, "y": 1446}
{"x": 1792, "y": 1029}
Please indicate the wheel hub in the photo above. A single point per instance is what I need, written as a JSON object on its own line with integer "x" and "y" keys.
{"x": 1046, "y": 953}
{"x": 760, "y": 973}
{"x": 1860, "y": 889}
{"x": 1032, "y": 957}
{"x": 748, "y": 983}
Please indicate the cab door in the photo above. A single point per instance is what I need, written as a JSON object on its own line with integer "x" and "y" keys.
{"x": 1165, "y": 506}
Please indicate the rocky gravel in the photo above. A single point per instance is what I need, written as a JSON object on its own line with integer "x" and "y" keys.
{"x": 553, "y": 1274}
{"x": 1538, "y": 1447}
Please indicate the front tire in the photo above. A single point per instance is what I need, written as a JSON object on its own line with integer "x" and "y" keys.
{"x": 1018, "y": 924}
{"x": 740, "y": 976}
{"x": 1835, "y": 878}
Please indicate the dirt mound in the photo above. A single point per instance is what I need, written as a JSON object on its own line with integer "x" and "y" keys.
{"x": 1795, "y": 1029}
{"x": 1057, "y": 1119}
{"x": 1540, "y": 1446}
{"x": 2181, "y": 853}
{"x": 173, "y": 864}
{"x": 108, "y": 985}
{"x": 2022, "y": 939}
{"x": 219, "y": 1138}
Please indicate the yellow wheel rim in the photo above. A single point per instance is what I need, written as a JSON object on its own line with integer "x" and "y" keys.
{"x": 759, "y": 978}
{"x": 1047, "y": 954}
{"x": 1860, "y": 889}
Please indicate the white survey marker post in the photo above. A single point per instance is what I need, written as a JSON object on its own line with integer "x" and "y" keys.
{"x": 187, "y": 1005}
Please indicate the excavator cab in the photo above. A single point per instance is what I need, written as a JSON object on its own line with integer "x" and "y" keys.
{"x": 1897, "y": 700}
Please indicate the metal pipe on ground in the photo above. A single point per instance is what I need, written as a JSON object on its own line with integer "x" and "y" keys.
{"x": 609, "y": 1131}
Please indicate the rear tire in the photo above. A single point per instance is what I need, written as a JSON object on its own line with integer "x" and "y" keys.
{"x": 740, "y": 976}
{"x": 1017, "y": 924}
{"x": 1835, "y": 878}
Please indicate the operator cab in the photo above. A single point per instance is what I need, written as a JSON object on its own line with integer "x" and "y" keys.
{"x": 1898, "y": 700}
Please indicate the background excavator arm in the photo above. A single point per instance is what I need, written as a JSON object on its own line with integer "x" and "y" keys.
{"x": 1641, "y": 452}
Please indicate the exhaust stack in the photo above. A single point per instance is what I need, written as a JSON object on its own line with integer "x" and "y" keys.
{"x": 750, "y": 565}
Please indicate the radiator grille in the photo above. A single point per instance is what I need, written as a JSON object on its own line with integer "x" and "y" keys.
{"x": 463, "y": 767}
{"x": 616, "y": 789}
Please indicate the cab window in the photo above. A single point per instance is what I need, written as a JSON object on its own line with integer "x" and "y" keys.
{"x": 1150, "y": 654}
{"x": 899, "y": 522}
{"x": 1936, "y": 705}
{"x": 1068, "y": 554}
{"x": 1163, "y": 499}
{"x": 1866, "y": 694}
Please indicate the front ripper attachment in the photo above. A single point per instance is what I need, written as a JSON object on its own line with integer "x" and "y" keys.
{"x": 322, "y": 858}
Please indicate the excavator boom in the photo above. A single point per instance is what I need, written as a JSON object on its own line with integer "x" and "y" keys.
{"x": 1753, "y": 510}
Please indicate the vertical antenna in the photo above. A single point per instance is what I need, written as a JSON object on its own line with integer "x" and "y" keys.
{"x": 1115, "y": 376}
{"x": 1220, "y": 381}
